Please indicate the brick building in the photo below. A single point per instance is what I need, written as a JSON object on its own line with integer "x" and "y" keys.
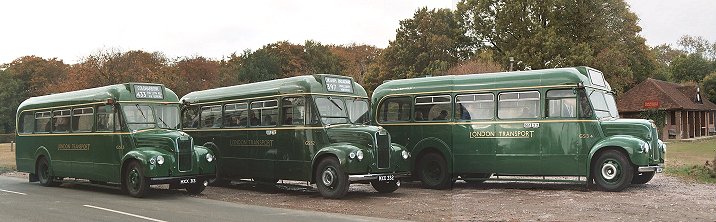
{"x": 688, "y": 113}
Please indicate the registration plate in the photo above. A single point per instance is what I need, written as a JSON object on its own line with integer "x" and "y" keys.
{"x": 187, "y": 181}
{"x": 386, "y": 178}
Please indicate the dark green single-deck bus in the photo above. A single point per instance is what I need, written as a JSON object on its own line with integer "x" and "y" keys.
{"x": 308, "y": 128}
{"x": 551, "y": 122}
{"x": 123, "y": 134}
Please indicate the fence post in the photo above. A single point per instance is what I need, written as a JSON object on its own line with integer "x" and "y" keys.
{"x": 12, "y": 146}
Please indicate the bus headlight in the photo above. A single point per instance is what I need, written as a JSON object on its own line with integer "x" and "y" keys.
{"x": 405, "y": 154}
{"x": 209, "y": 157}
{"x": 160, "y": 160}
{"x": 359, "y": 155}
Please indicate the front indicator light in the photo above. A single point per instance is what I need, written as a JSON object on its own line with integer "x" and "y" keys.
{"x": 352, "y": 155}
{"x": 209, "y": 157}
{"x": 405, "y": 154}
{"x": 152, "y": 161}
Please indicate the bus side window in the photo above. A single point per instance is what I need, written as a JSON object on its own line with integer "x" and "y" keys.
{"x": 562, "y": 103}
{"x": 236, "y": 115}
{"x": 585, "y": 108}
{"x": 26, "y": 123}
{"x": 211, "y": 116}
{"x": 293, "y": 111}
{"x": 263, "y": 113}
{"x": 396, "y": 109}
{"x": 42, "y": 122}
{"x": 82, "y": 119}
{"x": 475, "y": 106}
{"x": 190, "y": 117}
{"x": 105, "y": 118}
{"x": 433, "y": 108}
{"x": 517, "y": 105}
{"x": 61, "y": 121}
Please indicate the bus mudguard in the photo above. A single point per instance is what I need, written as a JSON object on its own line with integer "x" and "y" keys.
{"x": 435, "y": 144}
{"x": 41, "y": 151}
{"x": 627, "y": 143}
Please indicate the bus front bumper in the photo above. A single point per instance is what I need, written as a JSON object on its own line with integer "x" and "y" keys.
{"x": 180, "y": 180}
{"x": 378, "y": 176}
{"x": 658, "y": 168}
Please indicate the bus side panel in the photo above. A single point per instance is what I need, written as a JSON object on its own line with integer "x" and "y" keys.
{"x": 518, "y": 149}
{"x": 107, "y": 151}
{"x": 61, "y": 161}
{"x": 560, "y": 148}
{"x": 293, "y": 154}
{"x": 25, "y": 154}
{"x": 474, "y": 148}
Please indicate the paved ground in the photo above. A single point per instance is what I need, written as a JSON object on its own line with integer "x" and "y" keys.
{"x": 23, "y": 201}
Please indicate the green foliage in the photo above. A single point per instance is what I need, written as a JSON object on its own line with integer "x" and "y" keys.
{"x": 258, "y": 66}
{"x": 691, "y": 67}
{"x": 559, "y": 33}
{"x": 10, "y": 97}
{"x": 709, "y": 86}
{"x": 658, "y": 116}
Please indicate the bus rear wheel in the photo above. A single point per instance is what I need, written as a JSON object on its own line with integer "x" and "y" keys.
{"x": 331, "y": 181}
{"x": 433, "y": 172}
{"x": 612, "y": 171}
{"x": 642, "y": 178}
{"x": 44, "y": 173}
{"x": 385, "y": 186}
{"x": 135, "y": 183}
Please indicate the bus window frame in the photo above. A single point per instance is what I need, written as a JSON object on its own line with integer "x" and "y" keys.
{"x": 411, "y": 114}
{"x": 21, "y": 126}
{"x": 432, "y": 102}
{"x": 494, "y": 106}
{"x": 263, "y": 107}
{"x": 224, "y": 115}
{"x": 68, "y": 116}
{"x": 547, "y": 99}
{"x": 115, "y": 117}
{"x": 72, "y": 122}
{"x": 201, "y": 116}
{"x": 538, "y": 109}
{"x": 282, "y": 106}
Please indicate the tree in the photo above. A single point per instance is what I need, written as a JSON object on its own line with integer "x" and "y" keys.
{"x": 107, "y": 67}
{"x": 10, "y": 97}
{"x": 698, "y": 45}
{"x": 709, "y": 85}
{"x": 37, "y": 76}
{"x": 258, "y": 66}
{"x": 691, "y": 67}
{"x": 427, "y": 44}
{"x": 355, "y": 59}
{"x": 191, "y": 74}
{"x": 559, "y": 33}
{"x": 664, "y": 55}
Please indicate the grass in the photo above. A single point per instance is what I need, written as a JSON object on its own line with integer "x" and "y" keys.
{"x": 7, "y": 158}
{"x": 689, "y": 160}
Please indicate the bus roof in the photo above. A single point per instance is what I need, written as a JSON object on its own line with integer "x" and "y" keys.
{"x": 488, "y": 81}
{"x": 119, "y": 92}
{"x": 306, "y": 84}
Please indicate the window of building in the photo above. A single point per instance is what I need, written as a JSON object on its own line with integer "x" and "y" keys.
{"x": 433, "y": 108}
{"x": 61, "y": 121}
{"x": 672, "y": 118}
{"x": 517, "y": 105}
{"x": 236, "y": 115}
{"x": 396, "y": 109}
{"x": 42, "y": 122}
{"x": 263, "y": 113}
{"x": 82, "y": 119}
{"x": 106, "y": 118}
{"x": 293, "y": 111}
{"x": 211, "y": 116}
{"x": 562, "y": 103}
{"x": 26, "y": 123}
{"x": 475, "y": 106}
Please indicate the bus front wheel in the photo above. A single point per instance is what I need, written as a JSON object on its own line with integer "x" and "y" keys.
{"x": 331, "y": 181}
{"x": 433, "y": 171}
{"x": 135, "y": 183}
{"x": 612, "y": 171}
{"x": 43, "y": 173}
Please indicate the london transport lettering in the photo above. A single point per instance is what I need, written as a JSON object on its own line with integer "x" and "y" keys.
{"x": 502, "y": 134}
{"x": 339, "y": 85}
{"x": 266, "y": 143}
{"x": 65, "y": 146}
{"x": 148, "y": 92}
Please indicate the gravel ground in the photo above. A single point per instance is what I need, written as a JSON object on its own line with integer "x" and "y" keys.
{"x": 663, "y": 199}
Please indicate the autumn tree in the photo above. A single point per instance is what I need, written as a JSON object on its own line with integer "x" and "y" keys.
{"x": 258, "y": 66}
{"x": 284, "y": 59}
{"x": 560, "y": 33}
{"x": 107, "y": 67}
{"x": 355, "y": 59}
{"x": 37, "y": 76}
{"x": 191, "y": 74}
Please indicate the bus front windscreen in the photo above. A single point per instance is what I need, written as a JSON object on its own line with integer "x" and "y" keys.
{"x": 142, "y": 116}
{"x": 604, "y": 104}
{"x": 357, "y": 110}
{"x": 331, "y": 110}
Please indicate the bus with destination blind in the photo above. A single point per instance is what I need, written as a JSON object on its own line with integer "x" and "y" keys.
{"x": 512, "y": 125}
{"x": 119, "y": 135}
{"x": 307, "y": 128}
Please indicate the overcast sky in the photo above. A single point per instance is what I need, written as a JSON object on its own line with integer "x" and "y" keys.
{"x": 72, "y": 29}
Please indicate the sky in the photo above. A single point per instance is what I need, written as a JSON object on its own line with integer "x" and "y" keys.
{"x": 72, "y": 29}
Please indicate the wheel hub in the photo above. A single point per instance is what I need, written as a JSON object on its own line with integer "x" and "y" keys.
{"x": 328, "y": 177}
{"x": 609, "y": 170}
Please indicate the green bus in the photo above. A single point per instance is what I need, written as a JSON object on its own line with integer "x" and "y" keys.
{"x": 551, "y": 122}
{"x": 307, "y": 128}
{"x": 124, "y": 134}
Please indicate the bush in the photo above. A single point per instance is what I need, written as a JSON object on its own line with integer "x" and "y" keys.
{"x": 712, "y": 168}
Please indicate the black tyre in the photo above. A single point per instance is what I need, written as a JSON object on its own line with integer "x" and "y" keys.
{"x": 612, "y": 171}
{"x": 196, "y": 188}
{"x": 385, "y": 186}
{"x": 219, "y": 180}
{"x": 135, "y": 183}
{"x": 476, "y": 178}
{"x": 44, "y": 173}
{"x": 331, "y": 181}
{"x": 642, "y": 178}
{"x": 433, "y": 172}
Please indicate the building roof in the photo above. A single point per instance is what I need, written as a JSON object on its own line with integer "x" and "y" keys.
{"x": 670, "y": 96}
